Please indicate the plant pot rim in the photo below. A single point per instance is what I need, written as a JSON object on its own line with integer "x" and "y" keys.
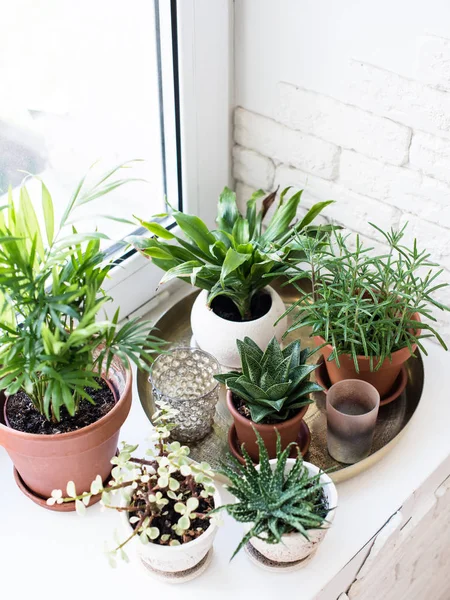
{"x": 68, "y": 435}
{"x": 269, "y": 289}
{"x": 262, "y": 426}
{"x": 362, "y": 357}
{"x": 329, "y": 489}
{"x": 177, "y": 549}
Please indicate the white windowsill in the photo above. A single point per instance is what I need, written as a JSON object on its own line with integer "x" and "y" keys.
{"x": 43, "y": 551}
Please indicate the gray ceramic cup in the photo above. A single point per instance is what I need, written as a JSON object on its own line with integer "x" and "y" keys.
{"x": 352, "y": 410}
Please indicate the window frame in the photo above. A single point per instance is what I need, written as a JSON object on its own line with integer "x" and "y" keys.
{"x": 197, "y": 55}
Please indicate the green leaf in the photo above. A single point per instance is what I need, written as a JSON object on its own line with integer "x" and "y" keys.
{"x": 227, "y": 212}
{"x": 157, "y": 229}
{"x": 49, "y": 215}
{"x": 233, "y": 260}
{"x": 282, "y": 218}
{"x": 30, "y": 220}
{"x": 313, "y": 212}
{"x": 241, "y": 231}
{"x": 196, "y": 230}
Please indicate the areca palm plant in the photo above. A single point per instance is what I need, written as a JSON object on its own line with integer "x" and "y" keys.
{"x": 238, "y": 258}
{"x": 52, "y": 344}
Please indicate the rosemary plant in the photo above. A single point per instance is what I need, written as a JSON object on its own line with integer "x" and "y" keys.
{"x": 167, "y": 497}
{"x": 238, "y": 258}
{"x": 273, "y": 501}
{"x": 364, "y": 304}
{"x": 51, "y": 292}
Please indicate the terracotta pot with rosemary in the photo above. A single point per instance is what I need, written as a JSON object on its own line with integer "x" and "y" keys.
{"x": 165, "y": 501}
{"x": 270, "y": 395}
{"x": 65, "y": 375}
{"x": 368, "y": 312}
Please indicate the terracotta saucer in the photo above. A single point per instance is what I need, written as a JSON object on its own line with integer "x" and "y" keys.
{"x": 303, "y": 441}
{"x": 322, "y": 379}
{"x": 42, "y": 502}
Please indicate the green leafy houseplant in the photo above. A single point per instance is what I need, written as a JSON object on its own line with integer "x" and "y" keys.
{"x": 274, "y": 384}
{"x": 167, "y": 499}
{"x": 238, "y": 258}
{"x": 364, "y": 304}
{"x": 52, "y": 344}
{"x": 275, "y": 502}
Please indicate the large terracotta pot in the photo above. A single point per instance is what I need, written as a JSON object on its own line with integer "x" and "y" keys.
{"x": 295, "y": 546}
{"x": 383, "y": 379}
{"x": 218, "y": 336}
{"x": 48, "y": 462}
{"x": 289, "y": 430}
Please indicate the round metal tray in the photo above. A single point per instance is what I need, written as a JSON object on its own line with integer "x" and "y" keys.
{"x": 174, "y": 326}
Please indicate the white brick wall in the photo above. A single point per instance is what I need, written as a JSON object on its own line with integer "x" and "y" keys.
{"x": 431, "y": 154}
{"x": 434, "y": 61}
{"x": 286, "y": 145}
{"x": 343, "y": 124}
{"x": 383, "y": 155}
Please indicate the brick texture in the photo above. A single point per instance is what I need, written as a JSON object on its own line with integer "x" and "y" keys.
{"x": 343, "y": 124}
{"x": 285, "y": 145}
{"x": 382, "y": 152}
{"x": 403, "y": 100}
{"x": 431, "y": 154}
{"x": 405, "y": 189}
{"x": 434, "y": 61}
{"x": 253, "y": 168}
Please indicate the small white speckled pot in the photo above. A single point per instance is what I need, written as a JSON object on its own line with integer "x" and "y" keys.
{"x": 294, "y": 546}
{"x": 175, "y": 559}
{"x": 218, "y": 336}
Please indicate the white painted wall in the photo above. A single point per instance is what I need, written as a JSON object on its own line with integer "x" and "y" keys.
{"x": 351, "y": 101}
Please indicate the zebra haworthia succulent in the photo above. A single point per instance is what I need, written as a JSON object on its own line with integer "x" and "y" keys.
{"x": 275, "y": 501}
{"x": 274, "y": 384}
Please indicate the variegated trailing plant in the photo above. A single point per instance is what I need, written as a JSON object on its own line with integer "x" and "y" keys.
{"x": 237, "y": 259}
{"x": 275, "y": 502}
{"x": 52, "y": 343}
{"x": 163, "y": 487}
{"x": 274, "y": 383}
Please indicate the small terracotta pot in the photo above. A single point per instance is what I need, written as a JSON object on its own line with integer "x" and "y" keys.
{"x": 48, "y": 462}
{"x": 289, "y": 430}
{"x": 383, "y": 379}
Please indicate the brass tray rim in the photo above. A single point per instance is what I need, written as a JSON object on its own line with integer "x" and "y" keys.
{"x": 343, "y": 474}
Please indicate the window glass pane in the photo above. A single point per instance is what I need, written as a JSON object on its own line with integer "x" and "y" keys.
{"x": 79, "y": 85}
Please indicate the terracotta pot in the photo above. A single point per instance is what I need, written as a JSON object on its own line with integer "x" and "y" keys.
{"x": 294, "y": 546}
{"x": 383, "y": 379}
{"x": 289, "y": 430}
{"x": 218, "y": 336}
{"x": 48, "y": 462}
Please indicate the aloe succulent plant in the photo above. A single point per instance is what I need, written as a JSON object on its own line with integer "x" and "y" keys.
{"x": 275, "y": 502}
{"x": 273, "y": 384}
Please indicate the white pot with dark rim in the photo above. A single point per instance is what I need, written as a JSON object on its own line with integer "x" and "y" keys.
{"x": 218, "y": 336}
{"x": 176, "y": 563}
{"x": 294, "y": 546}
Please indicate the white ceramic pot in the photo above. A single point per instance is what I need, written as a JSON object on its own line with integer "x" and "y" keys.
{"x": 294, "y": 546}
{"x": 174, "y": 559}
{"x": 218, "y": 336}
